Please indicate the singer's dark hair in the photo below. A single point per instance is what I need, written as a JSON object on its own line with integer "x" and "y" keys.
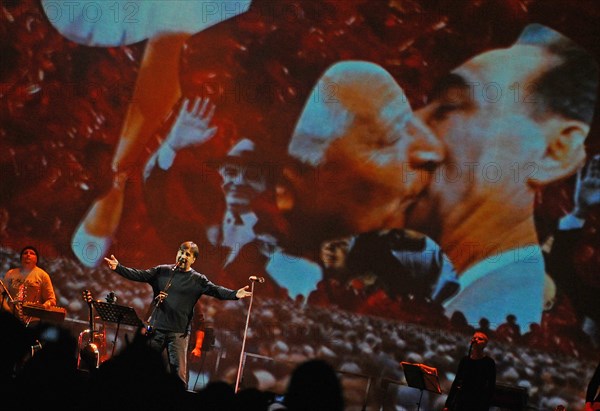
{"x": 191, "y": 246}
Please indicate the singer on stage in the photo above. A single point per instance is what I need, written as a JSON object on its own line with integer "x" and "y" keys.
{"x": 475, "y": 381}
{"x": 176, "y": 289}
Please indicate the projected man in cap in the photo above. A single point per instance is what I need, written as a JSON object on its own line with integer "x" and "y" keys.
{"x": 243, "y": 241}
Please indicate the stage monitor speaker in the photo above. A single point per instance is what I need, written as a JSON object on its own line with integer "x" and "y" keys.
{"x": 510, "y": 397}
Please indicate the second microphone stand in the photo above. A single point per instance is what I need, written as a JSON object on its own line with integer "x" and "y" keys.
{"x": 243, "y": 353}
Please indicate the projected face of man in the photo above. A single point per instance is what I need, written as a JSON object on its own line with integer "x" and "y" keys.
{"x": 370, "y": 176}
{"x": 370, "y": 156}
{"x": 334, "y": 253}
{"x": 499, "y": 149}
{"x": 241, "y": 184}
{"x": 243, "y": 179}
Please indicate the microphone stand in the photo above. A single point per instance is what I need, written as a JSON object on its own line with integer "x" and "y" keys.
{"x": 149, "y": 325}
{"x": 243, "y": 354}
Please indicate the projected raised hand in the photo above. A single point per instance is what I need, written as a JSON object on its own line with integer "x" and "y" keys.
{"x": 192, "y": 124}
{"x": 190, "y": 128}
{"x": 165, "y": 25}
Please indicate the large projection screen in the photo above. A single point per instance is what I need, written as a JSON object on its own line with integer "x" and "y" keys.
{"x": 401, "y": 173}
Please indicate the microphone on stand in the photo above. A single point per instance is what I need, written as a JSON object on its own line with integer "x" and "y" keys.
{"x": 180, "y": 263}
{"x": 257, "y": 279}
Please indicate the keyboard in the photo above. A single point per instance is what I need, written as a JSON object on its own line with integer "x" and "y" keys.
{"x": 52, "y": 314}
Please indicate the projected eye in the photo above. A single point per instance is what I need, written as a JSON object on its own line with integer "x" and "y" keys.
{"x": 441, "y": 112}
{"x": 390, "y": 138}
{"x": 230, "y": 172}
{"x": 450, "y": 99}
{"x": 253, "y": 175}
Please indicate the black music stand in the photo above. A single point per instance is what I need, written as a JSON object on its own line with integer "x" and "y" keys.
{"x": 119, "y": 314}
{"x": 422, "y": 377}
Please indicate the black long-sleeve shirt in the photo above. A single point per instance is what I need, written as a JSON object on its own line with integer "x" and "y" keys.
{"x": 474, "y": 385}
{"x": 592, "y": 390}
{"x": 175, "y": 312}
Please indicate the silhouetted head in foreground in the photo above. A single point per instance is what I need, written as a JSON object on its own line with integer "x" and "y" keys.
{"x": 314, "y": 386}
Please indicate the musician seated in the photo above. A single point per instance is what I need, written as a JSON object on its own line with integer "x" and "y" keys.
{"x": 27, "y": 284}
